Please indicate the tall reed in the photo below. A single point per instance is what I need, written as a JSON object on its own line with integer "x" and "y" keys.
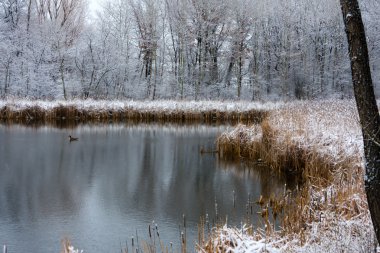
{"x": 71, "y": 112}
{"x": 300, "y": 142}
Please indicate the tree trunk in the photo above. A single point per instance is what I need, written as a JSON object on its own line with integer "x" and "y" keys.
{"x": 28, "y": 16}
{"x": 62, "y": 70}
{"x": 366, "y": 104}
{"x": 239, "y": 75}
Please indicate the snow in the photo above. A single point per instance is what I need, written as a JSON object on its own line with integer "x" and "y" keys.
{"x": 167, "y": 106}
{"x": 239, "y": 241}
{"x": 333, "y": 234}
{"x": 73, "y": 250}
{"x": 331, "y": 127}
{"x": 332, "y": 130}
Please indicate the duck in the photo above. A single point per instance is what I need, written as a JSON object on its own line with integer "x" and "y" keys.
{"x": 72, "y": 138}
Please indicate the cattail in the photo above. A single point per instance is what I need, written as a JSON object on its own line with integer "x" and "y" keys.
{"x": 233, "y": 197}
{"x": 158, "y": 234}
{"x": 137, "y": 241}
{"x": 207, "y": 223}
{"x": 216, "y": 209}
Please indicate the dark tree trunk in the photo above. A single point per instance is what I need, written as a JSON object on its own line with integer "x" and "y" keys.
{"x": 366, "y": 104}
{"x": 28, "y": 16}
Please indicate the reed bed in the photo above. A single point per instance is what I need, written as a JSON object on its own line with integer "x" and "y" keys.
{"x": 320, "y": 145}
{"x": 26, "y": 111}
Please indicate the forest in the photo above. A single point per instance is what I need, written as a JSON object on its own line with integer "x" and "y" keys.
{"x": 179, "y": 49}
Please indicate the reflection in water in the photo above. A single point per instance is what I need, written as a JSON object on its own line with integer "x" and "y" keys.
{"x": 113, "y": 182}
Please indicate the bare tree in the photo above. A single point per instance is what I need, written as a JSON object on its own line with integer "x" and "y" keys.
{"x": 146, "y": 17}
{"x": 366, "y": 104}
{"x": 239, "y": 34}
{"x": 12, "y": 10}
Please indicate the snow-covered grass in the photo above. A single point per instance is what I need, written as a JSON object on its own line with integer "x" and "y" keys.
{"x": 332, "y": 234}
{"x": 12, "y": 109}
{"x": 148, "y": 105}
{"x": 68, "y": 248}
{"x": 321, "y": 141}
{"x": 330, "y": 127}
{"x": 71, "y": 112}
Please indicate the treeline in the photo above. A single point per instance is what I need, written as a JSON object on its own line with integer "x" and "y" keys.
{"x": 182, "y": 49}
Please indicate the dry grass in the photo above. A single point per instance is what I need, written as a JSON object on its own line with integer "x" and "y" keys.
{"x": 68, "y": 248}
{"x": 118, "y": 111}
{"x": 319, "y": 144}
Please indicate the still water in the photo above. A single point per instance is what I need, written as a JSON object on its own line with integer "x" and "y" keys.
{"x": 113, "y": 182}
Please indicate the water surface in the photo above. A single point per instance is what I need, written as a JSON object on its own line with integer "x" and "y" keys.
{"x": 115, "y": 181}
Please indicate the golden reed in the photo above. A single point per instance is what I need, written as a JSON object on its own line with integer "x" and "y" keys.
{"x": 327, "y": 184}
{"x": 71, "y": 113}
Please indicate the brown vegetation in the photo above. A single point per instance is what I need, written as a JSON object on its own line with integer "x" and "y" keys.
{"x": 297, "y": 142}
{"x": 70, "y": 113}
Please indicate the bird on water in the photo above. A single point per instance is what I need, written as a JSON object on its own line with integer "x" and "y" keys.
{"x": 72, "y": 138}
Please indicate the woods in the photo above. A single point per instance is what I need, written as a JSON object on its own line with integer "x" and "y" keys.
{"x": 177, "y": 49}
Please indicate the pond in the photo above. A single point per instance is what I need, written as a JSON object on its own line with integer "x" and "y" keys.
{"x": 108, "y": 186}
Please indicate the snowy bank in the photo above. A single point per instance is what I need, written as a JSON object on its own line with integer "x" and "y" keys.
{"x": 332, "y": 234}
{"x": 322, "y": 142}
{"x": 12, "y": 109}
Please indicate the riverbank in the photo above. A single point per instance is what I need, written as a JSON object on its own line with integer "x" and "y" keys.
{"x": 321, "y": 143}
{"x": 26, "y": 111}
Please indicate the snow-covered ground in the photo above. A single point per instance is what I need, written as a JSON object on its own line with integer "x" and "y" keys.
{"x": 330, "y": 129}
{"x": 333, "y": 234}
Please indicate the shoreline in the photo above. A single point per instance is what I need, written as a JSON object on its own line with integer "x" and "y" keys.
{"x": 26, "y": 111}
{"x": 321, "y": 143}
